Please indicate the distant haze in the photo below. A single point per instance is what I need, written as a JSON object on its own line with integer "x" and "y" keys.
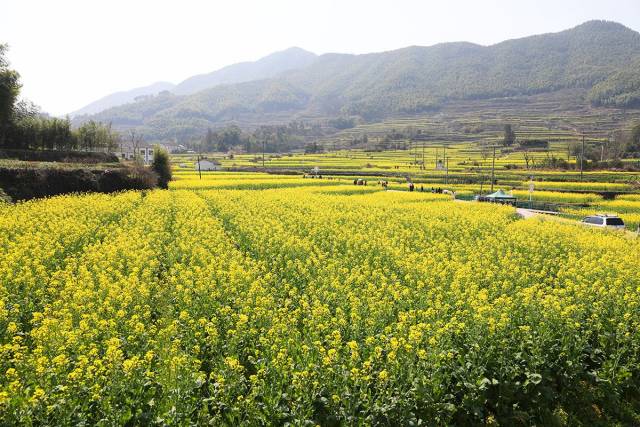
{"x": 71, "y": 53}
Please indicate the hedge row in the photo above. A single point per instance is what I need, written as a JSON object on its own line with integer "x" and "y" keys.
{"x": 25, "y": 184}
{"x": 58, "y": 156}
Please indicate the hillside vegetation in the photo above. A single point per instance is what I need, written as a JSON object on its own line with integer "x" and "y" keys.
{"x": 598, "y": 57}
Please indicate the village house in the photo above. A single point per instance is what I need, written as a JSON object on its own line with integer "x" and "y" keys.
{"x": 144, "y": 152}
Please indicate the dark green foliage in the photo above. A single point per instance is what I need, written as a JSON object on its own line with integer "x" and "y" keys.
{"x": 41, "y": 133}
{"x": 93, "y": 135}
{"x": 533, "y": 143}
{"x": 621, "y": 89}
{"x": 223, "y": 139}
{"x": 9, "y": 91}
{"x": 25, "y": 184}
{"x": 313, "y": 148}
{"x": 161, "y": 166}
{"x": 509, "y": 136}
{"x": 342, "y": 123}
{"x": 36, "y": 132}
{"x": 60, "y": 156}
{"x": 634, "y": 143}
{"x": 270, "y": 138}
{"x": 410, "y": 80}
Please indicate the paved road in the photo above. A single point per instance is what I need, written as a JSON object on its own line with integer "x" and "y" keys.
{"x": 526, "y": 213}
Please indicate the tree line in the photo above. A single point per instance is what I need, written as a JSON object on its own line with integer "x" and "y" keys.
{"x": 24, "y": 126}
{"x": 597, "y": 153}
{"x": 267, "y": 138}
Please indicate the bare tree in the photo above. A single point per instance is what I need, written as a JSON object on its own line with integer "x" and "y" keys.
{"x": 484, "y": 150}
{"x": 136, "y": 140}
{"x": 527, "y": 157}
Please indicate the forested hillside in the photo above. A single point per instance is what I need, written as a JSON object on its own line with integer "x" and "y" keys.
{"x": 122, "y": 97}
{"x": 597, "y": 56}
{"x": 269, "y": 66}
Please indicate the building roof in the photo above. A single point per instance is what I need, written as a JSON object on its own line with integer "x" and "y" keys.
{"x": 212, "y": 161}
{"x": 129, "y": 147}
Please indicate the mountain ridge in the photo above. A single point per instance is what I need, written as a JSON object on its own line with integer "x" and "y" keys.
{"x": 265, "y": 67}
{"x": 121, "y": 97}
{"x": 411, "y": 80}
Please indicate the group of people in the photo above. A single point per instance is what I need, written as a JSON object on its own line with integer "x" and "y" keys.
{"x": 438, "y": 190}
{"x": 385, "y": 184}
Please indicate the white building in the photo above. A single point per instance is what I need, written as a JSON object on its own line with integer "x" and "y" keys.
{"x": 208, "y": 165}
{"x": 143, "y": 152}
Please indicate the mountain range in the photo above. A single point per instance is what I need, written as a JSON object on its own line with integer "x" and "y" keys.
{"x": 602, "y": 58}
{"x": 266, "y": 67}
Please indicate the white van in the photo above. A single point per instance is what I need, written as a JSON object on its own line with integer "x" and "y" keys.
{"x": 604, "y": 221}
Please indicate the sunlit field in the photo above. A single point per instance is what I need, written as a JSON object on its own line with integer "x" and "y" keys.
{"x": 259, "y": 299}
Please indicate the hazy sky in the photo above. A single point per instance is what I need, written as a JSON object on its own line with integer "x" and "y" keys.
{"x": 71, "y": 52}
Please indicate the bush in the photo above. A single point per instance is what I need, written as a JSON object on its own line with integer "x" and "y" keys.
{"x": 134, "y": 178}
{"x": 25, "y": 184}
{"x": 4, "y": 197}
{"x": 58, "y": 156}
{"x": 161, "y": 166}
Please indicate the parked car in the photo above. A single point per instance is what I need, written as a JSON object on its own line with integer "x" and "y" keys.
{"x": 604, "y": 221}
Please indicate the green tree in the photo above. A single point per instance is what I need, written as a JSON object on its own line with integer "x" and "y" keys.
{"x": 9, "y": 91}
{"x": 634, "y": 143}
{"x": 97, "y": 136}
{"x": 209, "y": 140}
{"x": 161, "y": 166}
{"x": 509, "y": 136}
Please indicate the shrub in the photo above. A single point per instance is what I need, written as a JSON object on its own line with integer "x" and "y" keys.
{"x": 4, "y": 197}
{"x": 161, "y": 166}
{"x": 134, "y": 178}
{"x": 25, "y": 184}
{"x": 58, "y": 156}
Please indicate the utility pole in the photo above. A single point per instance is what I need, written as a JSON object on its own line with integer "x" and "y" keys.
{"x": 445, "y": 163}
{"x": 199, "y": 150}
{"x": 423, "y": 165}
{"x": 493, "y": 167}
{"x": 263, "y": 145}
{"x": 582, "y": 158}
{"x": 446, "y": 177}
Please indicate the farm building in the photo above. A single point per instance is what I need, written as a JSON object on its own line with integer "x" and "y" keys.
{"x": 143, "y": 152}
{"x": 208, "y": 165}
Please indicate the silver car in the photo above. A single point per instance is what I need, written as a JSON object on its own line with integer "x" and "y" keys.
{"x": 604, "y": 221}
